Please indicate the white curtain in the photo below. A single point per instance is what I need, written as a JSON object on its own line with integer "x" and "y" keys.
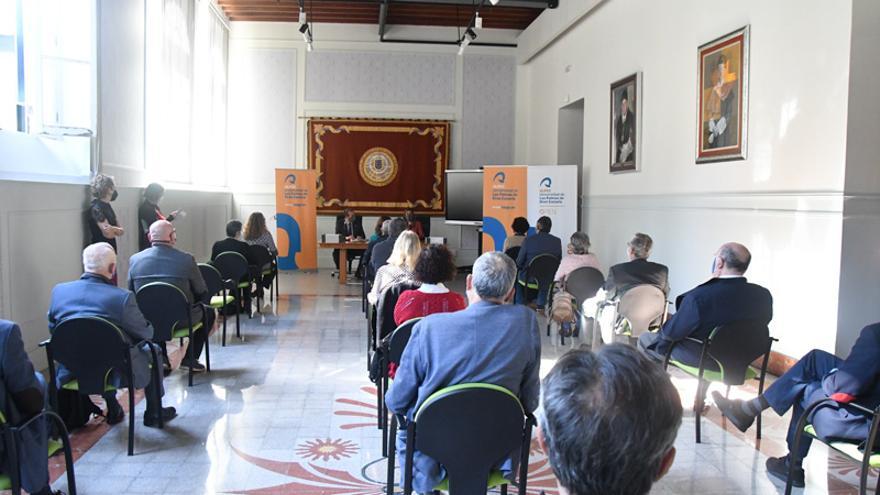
{"x": 209, "y": 116}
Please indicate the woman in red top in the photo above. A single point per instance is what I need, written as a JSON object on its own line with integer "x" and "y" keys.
{"x": 433, "y": 267}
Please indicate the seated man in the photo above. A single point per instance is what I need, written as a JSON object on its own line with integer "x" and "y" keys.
{"x": 818, "y": 375}
{"x": 349, "y": 227}
{"x": 726, "y": 298}
{"x": 163, "y": 263}
{"x": 382, "y": 250}
{"x": 94, "y": 295}
{"x": 541, "y": 243}
{"x": 234, "y": 243}
{"x": 27, "y": 390}
{"x": 610, "y": 421}
{"x": 441, "y": 353}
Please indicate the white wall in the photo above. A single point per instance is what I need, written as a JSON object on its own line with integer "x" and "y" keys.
{"x": 275, "y": 83}
{"x": 785, "y": 201}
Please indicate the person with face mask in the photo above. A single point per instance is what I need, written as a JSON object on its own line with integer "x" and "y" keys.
{"x": 103, "y": 225}
{"x": 727, "y": 297}
{"x": 149, "y": 212}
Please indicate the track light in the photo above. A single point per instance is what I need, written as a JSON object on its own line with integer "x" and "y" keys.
{"x": 469, "y": 33}
{"x": 464, "y": 43}
{"x": 478, "y": 21}
{"x": 302, "y": 16}
{"x": 304, "y": 30}
{"x": 309, "y": 46}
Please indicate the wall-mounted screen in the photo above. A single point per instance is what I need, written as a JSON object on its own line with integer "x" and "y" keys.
{"x": 464, "y": 197}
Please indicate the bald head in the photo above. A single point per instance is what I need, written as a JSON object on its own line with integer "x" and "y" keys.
{"x": 162, "y": 231}
{"x": 732, "y": 259}
{"x": 99, "y": 258}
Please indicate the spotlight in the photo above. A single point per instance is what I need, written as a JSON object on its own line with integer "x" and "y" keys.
{"x": 478, "y": 21}
{"x": 309, "y": 46}
{"x": 302, "y": 16}
{"x": 494, "y": 2}
{"x": 464, "y": 43}
{"x": 304, "y": 30}
{"x": 469, "y": 33}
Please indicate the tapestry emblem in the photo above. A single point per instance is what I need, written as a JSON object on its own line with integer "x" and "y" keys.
{"x": 378, "y": 167}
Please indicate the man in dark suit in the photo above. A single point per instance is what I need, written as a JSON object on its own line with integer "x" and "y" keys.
{"x": 382, "y": 250}
{"x": 816, "y": 376}
{"x": 624, "y": 131}
{"x": 349, "y": 227}
{"x": 441, "y": 353}
{"x": 234, "y": 244}
{"x": 94, "y": 295}
{"x": 541, "y": 243}
{"x": 637, "y": 271}
{"x": 726, "y": 298}
{"x": 164, "y": 263}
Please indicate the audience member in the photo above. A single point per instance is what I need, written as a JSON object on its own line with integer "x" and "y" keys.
{"x": 349, "y": 227}
{"x": 382, "y": 250}
{"x": 94, "y": 295}
{"x": 434, "y": 266}
{"x": 400, "y": 265}
{"x": 637, "y": 271}
{"x": 578, "y": 256}
{"x": 103, "y": 225}
{"x": 366, "y": 259}
{"x": 164, "y": 263}
{"x": 233, "y": 243}
{"x": 543, "y": 242}
{"x": 816, "y": 376}
{"x": 149, "y": 212}
{"x": 380, "y": 230}
{"x": 413, "y": 223}
{"x": 727, "y": 297}
{"x": 256, "y": 233}
{"x": 22, "y": 396}
{"x": 609, "y": 422}
{"x": 442, "y": 352}
{"x": 520, "y": 227}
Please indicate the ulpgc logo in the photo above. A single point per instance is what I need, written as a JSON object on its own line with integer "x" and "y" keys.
{"x": 499, "y": 178}
{"x": 546, "y": 182}
{"x": 290, "y": 179}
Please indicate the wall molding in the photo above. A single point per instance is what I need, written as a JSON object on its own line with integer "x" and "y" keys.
{"x": 810, "y": 202}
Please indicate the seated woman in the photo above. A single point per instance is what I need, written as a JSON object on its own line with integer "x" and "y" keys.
{"x": 256, "y": 233}
{"x": 434, "y": 266}
{"x": 400, "y": 265}
{"x": 377, "y": 230}
{"x": 520, "y": 227}
{"x": 578, "y": 256}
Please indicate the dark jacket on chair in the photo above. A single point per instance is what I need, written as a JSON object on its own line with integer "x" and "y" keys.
{"x": 625, "y": 276}
{"x": 536, "y": 244}
{"x": 93, "y": 295}
{"x": 711, "y": 304}
{"x": 162, "y": 263}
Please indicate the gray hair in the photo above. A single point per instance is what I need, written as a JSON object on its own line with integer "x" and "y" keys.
{"x": 580, "y": 243}
{"x": 641, "y": 245}
{"x": 610, "y": 419}
{"x": 98, "y": 257}
{"x": 385, "y": 226}
{"x": 493, "y": 275}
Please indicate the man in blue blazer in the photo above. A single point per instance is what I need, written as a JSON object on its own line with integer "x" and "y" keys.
{"x": 94, "y": 295}
{"x": 489, "y": 342}
{"x": 542, "y": 242}
{"x": 726, "y": 298}
{"x": 818, "y": 375}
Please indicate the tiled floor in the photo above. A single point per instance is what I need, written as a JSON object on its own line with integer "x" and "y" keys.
{"x": 290, "y": 410}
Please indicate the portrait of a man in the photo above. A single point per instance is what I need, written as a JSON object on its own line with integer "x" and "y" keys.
{"x": 723, "y": 95}
{"x": 624, "y": 124}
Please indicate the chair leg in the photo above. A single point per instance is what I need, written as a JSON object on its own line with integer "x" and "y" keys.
{"x": 380, "y": 394}
{"x": 207, "y": 350}
{"x": 11, "y": 445}
{"x": 699, "y": 402}
{"x": 392, "y": 450}
{"x": 238, "y": 304}
{"x": 131, "y": 418}
{"x": 383, "y": 417}
{"x": 504, "y": 489}
{"x": 68, "y": 452}
{"x": 223, "y": 338}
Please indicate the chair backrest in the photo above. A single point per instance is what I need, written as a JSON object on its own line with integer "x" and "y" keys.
{"x": 260, "y": 255}
{"x": 641, "y": 305}
{"x": 233, "y": 266}
{"x": 399, "y": 339}
{"x": 513, "y": 252}
{"x": 583, "y": 283}
{"x": 468, "y": 428}
{"x": 212, "y": 277}
{"x": 736, "y": 345}
{"x": 385, "y": 307}
{"x": 542, "y": 269}
{"x": 165, "y": 306}
{"x": 89, "y": 347}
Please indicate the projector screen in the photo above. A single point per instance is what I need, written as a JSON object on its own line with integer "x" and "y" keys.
{"x": 464, "y": 196}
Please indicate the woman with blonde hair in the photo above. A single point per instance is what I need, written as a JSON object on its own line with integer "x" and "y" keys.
{"x": 400, "y": 265}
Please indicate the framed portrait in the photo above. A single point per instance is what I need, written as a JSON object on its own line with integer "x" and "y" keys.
{"x": 723, "y": 97}
{"x": 626, "y": 119}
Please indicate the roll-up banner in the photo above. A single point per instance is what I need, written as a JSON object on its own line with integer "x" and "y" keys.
{"x": 552, "y": 192}
{"x": 297, "y": 234}
{"x": 504, "y": 198}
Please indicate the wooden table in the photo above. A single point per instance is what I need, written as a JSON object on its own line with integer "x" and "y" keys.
{"x": 343, "y": 248}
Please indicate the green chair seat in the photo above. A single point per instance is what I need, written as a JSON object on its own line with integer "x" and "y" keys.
{"x": 268, "y": 272}
{"x": 531, "y": 285}
{"x": 244, "y": 285}
{"x": 710, "y": 375}
{"x": 220, "y": 301}
{"x": 496, "y": 478}
{"x": 74, "y": 385}
{"x": 180, "y": 333}
{"x": 849, "y": 449}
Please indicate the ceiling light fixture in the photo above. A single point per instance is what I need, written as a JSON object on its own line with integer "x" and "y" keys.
{"x": 478, "y": 21}
{"x": 494, "y": 2}
{"x": 302, "y": 16}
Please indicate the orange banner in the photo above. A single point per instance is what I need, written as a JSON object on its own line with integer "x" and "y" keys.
{"x": 295, "y": 195}
{"x": 504, "y": 198}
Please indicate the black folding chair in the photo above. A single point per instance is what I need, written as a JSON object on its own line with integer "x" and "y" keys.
{"x": 91, "y": 348}
{"x": 384, "y": 327}
{"x": 167, "y": 308}
{"x": 582, "y": 283}
{"x": 513, "y": 252}
{"x": 11, "y": 439}
{"x": 266, "y": 268}
{"x": 467, "y": 428}
{"x": 733, "y": 348}
{"x": 538, "y": 276}
{"x": 217, "y": 289}
{"x": 392, "y": 347}
{"x": 864, "y": 453}
{"x": 234, "y": 269}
